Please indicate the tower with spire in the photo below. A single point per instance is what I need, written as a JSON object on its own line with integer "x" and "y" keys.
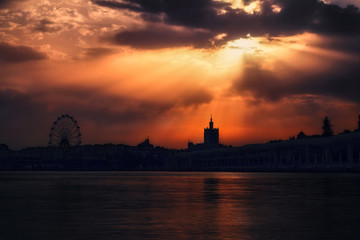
{"x": 211, "y": 134}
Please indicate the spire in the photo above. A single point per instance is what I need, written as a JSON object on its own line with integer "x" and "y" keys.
{"x": 211, "y": 124}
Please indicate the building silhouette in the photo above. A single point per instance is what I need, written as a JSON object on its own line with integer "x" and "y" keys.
{"x": 211, "y": 134}
{"x": 301, "y": 135}
{"x": 211, "y": 139}
{"x": 145, "y": 144}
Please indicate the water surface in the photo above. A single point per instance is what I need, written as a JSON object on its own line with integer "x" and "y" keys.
{"x": 162, "y": 205}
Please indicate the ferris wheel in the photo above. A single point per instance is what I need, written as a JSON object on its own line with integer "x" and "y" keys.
{"x": 65, "y": 132}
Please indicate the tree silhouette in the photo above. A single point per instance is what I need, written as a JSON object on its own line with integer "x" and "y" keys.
{"x": 327, "y": 127}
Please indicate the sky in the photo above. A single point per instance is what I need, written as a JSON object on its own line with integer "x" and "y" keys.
{"x": 131, "y": 69}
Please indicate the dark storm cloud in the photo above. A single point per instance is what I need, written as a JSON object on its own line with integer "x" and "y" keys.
{"x": 120, "y": 5}
{"x": 186, "y": 12}
{"x": 124, "y": 109}
{"x": 260, "y": 83}
{"x": 157, "y": 37}
{"x": 343, "y": 82}
{"x": 103, "y": 109}
{"x": 296, "y": 16}
{"x": 348, "y": 44}
{"x": 314, "y": 16}
{"x": 10, "y": 53}
{"x": 195, "y": 97}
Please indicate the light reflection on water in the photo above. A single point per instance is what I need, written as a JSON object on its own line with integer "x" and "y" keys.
{"x": 160, "y": 205}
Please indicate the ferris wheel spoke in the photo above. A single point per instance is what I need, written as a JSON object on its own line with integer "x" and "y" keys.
{"x": 74, "y": 128}
{"x": 73, "y": 137}
{"x": 75, "y": 134}
{"x": 57, "y": 136}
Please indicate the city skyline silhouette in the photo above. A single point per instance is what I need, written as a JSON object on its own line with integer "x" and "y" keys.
{"x": 65, "y": 133}
{"x": 326, "y": 152}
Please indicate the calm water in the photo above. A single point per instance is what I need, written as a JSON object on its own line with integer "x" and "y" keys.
{"x": 158, "y": 205}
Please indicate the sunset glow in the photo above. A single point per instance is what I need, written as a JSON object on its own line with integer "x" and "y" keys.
{"x": 127, "y": 70}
